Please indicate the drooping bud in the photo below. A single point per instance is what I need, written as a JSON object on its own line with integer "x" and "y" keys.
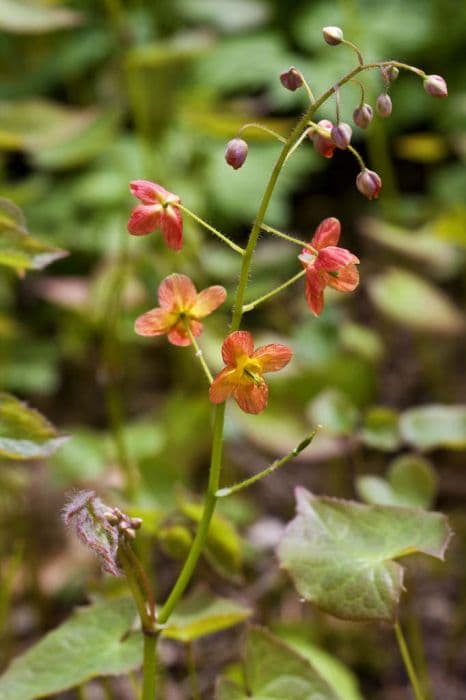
{"x": 333, "y": 35}
{"x": 90, "y": 518}
{"x": 236, "y": 152}
{"x": 341, "y": 135}
{"x": 362, "y": 116}
{"x": 435, "y": 86}
{"x": 369, "y": 183}
{"x": 323, "y": 143}
{"x": 291, "y": 79}
{"x": 392, "y": 73}
{"x": 384, "y": 105}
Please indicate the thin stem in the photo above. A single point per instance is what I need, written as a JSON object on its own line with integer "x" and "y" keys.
{"x": 191, "y": 664}
{"x": 252, "y": 304}
{"x": 307, "y": 87}
{"x": 210, "y": 228}
{"x": 362, "y": 89}
{"x": 337, "y": 103}
{"x": 138, "y": 593}
{"x": 352, "y": 150}
{"x": 287, "y": 237}
{"x": 198, "y": 353}
{"x": 297, "y": 144}
{"x": 255, "y": 125}
{"x": 408, "y": 662}
{"x": 143, "y": 580}
{"x": 355, "y": 49}
{"x": 229, "y": 490}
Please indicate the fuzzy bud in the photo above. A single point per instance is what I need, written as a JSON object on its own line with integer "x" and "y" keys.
{"x": 384, "y": 105}
{"x": 435, "y": 86}
{"x": 90, "y": 518}
{"x": 369, "y": 183}
{"x": 333, "y": 35}
{"x": 323, "y": 144}
{"x": 291, "y": 79}
{"x": 362, "y": 116}
{"x": 236, "y": 152}
{"x": 341, "y": 135}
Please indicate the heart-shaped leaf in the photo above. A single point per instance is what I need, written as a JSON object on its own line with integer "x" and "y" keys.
{"x": 435, "y": 426}
{"x": 339, "y": 553}
{"x": 24, "y": 432}
{"x": 273, "y": 670}
{"x": 411, "y": 481}
{"x": 204, "y": 614}
{"x": 93, "y": 642}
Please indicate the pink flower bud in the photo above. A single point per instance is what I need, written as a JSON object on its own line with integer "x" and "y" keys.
{"x": 389, "y": 74}
{"x": 341, "y": 135}
{"x": 236, "y": 152}
{"x": 333, "y": 35}
{"x": 323, "y": 144}
{"x": 384, "y": 106}
{"x": 362, "y": 116}
{"x": 435, "y": 86}
{"x": 369, "y": 183}
{"x": 291, "y": 79}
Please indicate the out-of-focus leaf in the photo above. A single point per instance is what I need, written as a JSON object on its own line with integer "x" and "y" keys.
{"x": 24, "y": 432}
{"x": 203, "y": 614}
{"x": 22, "y": 252}
{"x": 435, "y": 426}
{"x": 91, "y": 643}
{"x": 423, "y": 247}
{"x": 82, "y": 458}
{"x": 26, "y": 17}
{"x": 81, "y": 146}
{"x": 380, "y": 429}
{"x": 362, "y": 340}
{"x": 411, "y": 481}
{"x": 275, "y": 670}
{"x": 411, "y": 301}
{"x": 451, "y": 226}
{"x": 229, "y": 15}
{"x": 421, "y": 147}
{"x": 334, "y": 548}
{"x": 334, "y": 411}
{"x": 342, "y": 681}
{"x": 223, "y": 546}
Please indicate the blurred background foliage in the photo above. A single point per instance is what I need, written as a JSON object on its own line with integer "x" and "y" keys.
{"x": 95, "y": 93}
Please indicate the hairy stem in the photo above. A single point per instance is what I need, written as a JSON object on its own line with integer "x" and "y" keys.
{"x": 253, "y": 304}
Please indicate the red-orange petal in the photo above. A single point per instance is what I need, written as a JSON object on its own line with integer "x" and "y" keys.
{"x": 347, "y": 280}
{"x": 208, "y": 300}
{"x": 177, "y": 292}
{"x": 154, "y": 322}
{"x": 327, "y": 233}
{"x": 178, "y": 335}
{"x": 144, "y": 219}
{"x": 251, "y": 398}
{"x": 148, "y": 192}
{"x": 222, "y": 387}
{"x": 171, "y": 225}
{"x": 333, "y": 258}
{"x": 237, "y": 344}
{"x": 273, "y": 357}
{"x": 314, "y": 291}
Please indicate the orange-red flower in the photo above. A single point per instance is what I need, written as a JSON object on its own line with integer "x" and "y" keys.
{"x": 181, "y": 308}
{"x": 327, "y": 265}
{"x": 242, "y": 377}
{"x": 156, "y": 211}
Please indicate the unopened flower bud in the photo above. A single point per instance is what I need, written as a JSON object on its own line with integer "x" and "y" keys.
{"x": 435, "y": 86}
{"x": 136, "y": 523}
{"x": 291, "y": 79}
{"x": 389, "y": 74}
{"x": 362, "y": 116}
{"x": 333, "y": 35}
{"x": 130, "y": 533}
{"x": 111, "y": 517}
{"x": 369, "y": 183}
{"x": 384, "y": 105}
{"x": 236, "y": 152}
{"x": 323, "y": 144}
{"x": 341, "y": 135}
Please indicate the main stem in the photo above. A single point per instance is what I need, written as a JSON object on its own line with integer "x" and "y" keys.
{"x": 408, "y": 662}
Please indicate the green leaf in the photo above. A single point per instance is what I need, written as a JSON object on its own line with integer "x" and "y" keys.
{"x": 411, "y": 481}
{"x": 273, "y": 670}
{"x": 93, "y": 642}
{"x": 339, "y": 553}
{"x": 362, "y": 340}
{"x": 24, "y": 432}
{"x": 411, "y": 301}
{"x": 334, "y": 411}
{"x": 22, "y": 252}
{"x": 435, "y": 426}
{"x": 229, "y": 15}
{"x": 203, "y": 614}
{"x": 380, "y": 429}
{"x": 223, "y": 546}
{"x": 25, "y": 17}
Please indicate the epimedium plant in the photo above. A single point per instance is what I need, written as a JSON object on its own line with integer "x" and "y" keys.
{"x": 339, "y": 554}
